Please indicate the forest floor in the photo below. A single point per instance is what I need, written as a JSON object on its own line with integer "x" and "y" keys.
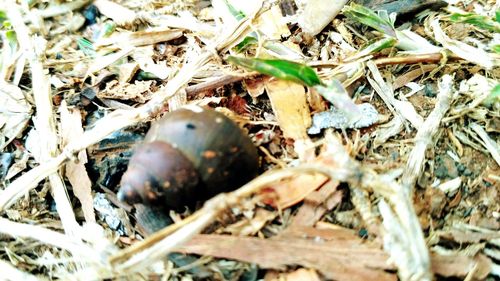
{"x": 376, "y": 123}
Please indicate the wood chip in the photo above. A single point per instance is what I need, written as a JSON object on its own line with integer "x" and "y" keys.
{"x": 336, "y": 259}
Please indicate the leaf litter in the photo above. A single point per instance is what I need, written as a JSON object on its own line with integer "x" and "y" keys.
{"x": 377, "y": 126}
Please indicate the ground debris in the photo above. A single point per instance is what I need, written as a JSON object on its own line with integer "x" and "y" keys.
{"x": 376, "y": 123}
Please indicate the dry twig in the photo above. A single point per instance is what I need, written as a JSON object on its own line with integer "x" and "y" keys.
{"x": 426, "y": 133}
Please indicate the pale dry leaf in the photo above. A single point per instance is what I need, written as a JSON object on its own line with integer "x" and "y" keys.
{"x": 15, "y": 113}
{"x": 118, "y": 13}
{"x": 178, "y": 100}
{"x": 449, "y": 187}
{"x": 141, "y": 38}
{"x": 32, "y": 143}
{"x": 288, "y": 100}
{"x": 14, "y": 273}
{"x": 315, "y": 15}
{"x": 104, "y": 61}
{"x": 413, "y": 43}
{"x": 185, "y": 20}
{"x": 409, "y": 112}
{"x": 144, "y": 57}
{"x": 412, "y": 264}
{"x": 465, "y": 51}
{"x": 71, "y": 129}
{"x": 272, "y": 24}
{"x": 426, "y": 133}
{"x": 127, "y": 72}
{"x": 412, "y": 75}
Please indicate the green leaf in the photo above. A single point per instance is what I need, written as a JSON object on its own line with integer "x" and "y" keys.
{"x": 86, "y": 46}
{"x": 239, "y": 15}
{"x": 493, "y": 98}
{"x": 379, "y": 21}
{"x": 3, "y": 16}
{"x": 282, "y": 69}
{"x": 496, "y": 49}
{"x": 12, "y": 39}
{"x": 482, "y": 22}
{"x": 375, "y": 47}
{"x": 105, "y": 30}
{"x": 245, "y": 43}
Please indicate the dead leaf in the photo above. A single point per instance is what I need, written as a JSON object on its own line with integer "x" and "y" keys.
{"x": 71, "y": 129}
{"x": 272, "y": 24}
{"x": 139, "y": 92}
{"x": 250, "y": 226}
{"x": 316, "y": 15}
{"x": 316, "y": 204}
{"x": 18, "y": 166}
{"x": 290, "y": 192}
{"x": 461, "y": 265}
{"x": 290, "y": 106}
{"x": 255, "y": 86}
{"x": 116, "y": 12}
{"x": 412, "y": 75}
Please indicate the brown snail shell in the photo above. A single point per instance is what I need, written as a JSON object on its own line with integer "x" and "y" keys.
{"x": 190, "y": 154}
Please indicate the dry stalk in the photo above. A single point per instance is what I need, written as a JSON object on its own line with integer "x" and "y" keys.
{"x": 12, "y": 273}
{"x": 413, "y": 260}
{"x": 361, "y": 201}
{"x": 50, "y": 237}
{"x": 119, "y": 119}
{"x": 425, "y": 135}
{"x": 63, "y": 8}
{"x": 44, "y": 121}
{"x": 400, "y": 109}
{"x": 413, "y": 59}
{"x": 488, "y": 143}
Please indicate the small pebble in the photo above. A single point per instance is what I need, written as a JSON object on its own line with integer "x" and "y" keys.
{"x": 335, "y": 118}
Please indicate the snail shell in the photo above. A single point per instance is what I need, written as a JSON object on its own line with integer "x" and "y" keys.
{"x": 190, "y": 154}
